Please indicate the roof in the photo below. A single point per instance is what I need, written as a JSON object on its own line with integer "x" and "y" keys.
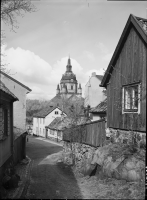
{"x": 7, "y": 91}
{"x": 45, "y": 111}
{"x": 143, "y": 23}
{"x": 68, "y": 76}
{"x": 100, "y": 77}
{"x": 59, "y": 124}
{"x": 16, "y": 81}
{"x": 140, "y": 26}
{"x": 102, "y": 107}
{"x": 76, "y": 97}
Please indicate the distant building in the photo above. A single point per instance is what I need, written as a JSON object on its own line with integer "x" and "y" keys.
{"x": 93, "y": 92}
{"x": 99, "y": 112}
{"x": 68, "y": 84}
{"x": 55, "y": 128}
{"x": 68, "y": 94}
{"x": 44, "y": 118}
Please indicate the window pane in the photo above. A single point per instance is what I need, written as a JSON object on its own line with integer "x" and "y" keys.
{"x": 131, "y": 97}
{"x": 127, "y": 98}
{"x": 135, "y": 97}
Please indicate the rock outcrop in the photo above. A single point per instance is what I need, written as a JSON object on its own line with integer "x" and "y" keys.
{"x": 120, "y": 161}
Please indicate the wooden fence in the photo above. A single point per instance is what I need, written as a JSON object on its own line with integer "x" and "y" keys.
{"x": 19, "y": 148}
{"x": 92, "y": 134}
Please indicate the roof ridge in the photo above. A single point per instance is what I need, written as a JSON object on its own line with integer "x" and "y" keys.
{"x": 15, "y": 80}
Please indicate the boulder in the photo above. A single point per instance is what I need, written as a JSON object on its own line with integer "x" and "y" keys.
{"x": 87, "y": 168}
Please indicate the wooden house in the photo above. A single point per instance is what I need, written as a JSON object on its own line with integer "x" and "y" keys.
{"x": 125, "y": 81}
{"x": 6, "y": 127}
{"x": 55, "y": 128}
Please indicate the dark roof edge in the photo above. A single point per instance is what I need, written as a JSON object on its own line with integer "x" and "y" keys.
{"x": 8, "y": 92}
{"x": 16, "y": 81}
{"x": 139, "y": 29}
{"x": 48, "y": 113}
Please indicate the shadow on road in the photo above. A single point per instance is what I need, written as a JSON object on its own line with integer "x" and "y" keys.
{"x": 49, "y": 178}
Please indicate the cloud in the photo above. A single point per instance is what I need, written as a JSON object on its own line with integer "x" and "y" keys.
{"x": 37, "y": 74}
{"x": 28, "y": 66}
{"x": 102, "y": 48}
{"x": 89, "y": 55}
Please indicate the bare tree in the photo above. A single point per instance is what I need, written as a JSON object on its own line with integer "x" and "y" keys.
{"x": 10, "y": 9}
{"x": 74, "y": 110}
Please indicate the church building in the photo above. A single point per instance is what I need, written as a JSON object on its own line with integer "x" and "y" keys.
{"x": 69, "y": 85}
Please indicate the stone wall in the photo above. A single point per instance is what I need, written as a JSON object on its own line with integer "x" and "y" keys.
{"x": 126, "y": 137}
{"x": 79, "y": 155}
{"x": 117, "y": 160}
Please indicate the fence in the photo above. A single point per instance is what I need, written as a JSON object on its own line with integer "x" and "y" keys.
{"x": 92, "y": 134}
{"x": 19, "y": 148}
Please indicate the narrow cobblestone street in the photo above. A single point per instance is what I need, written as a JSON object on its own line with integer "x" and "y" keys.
{"x": 48, "y": 178}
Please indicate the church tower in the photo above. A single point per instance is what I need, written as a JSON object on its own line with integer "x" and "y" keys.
{"x": 68, "y": 83}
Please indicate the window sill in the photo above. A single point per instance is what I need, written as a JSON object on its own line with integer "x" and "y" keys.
{"x": 130, "y": 112}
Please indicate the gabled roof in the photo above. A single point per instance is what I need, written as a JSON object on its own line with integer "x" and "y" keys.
{"x": 100, "y": 77}
{"x": 45, "y": 111}
{"x": 7, "y": 91}
{"x": 16, "y": 81}
{"x": 59, "y": 124}
{"x": 101, "y": 107}
{"x": 140, "y": 26}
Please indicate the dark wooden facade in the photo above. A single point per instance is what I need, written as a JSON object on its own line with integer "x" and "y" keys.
{"x": 127, "y": 66}
{"x": 6, "y": 127}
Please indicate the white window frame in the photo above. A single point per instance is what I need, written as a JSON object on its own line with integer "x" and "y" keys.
{"x": 124, "y": 110}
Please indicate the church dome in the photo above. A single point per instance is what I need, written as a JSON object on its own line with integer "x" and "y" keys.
{"x": 69, "y": 76}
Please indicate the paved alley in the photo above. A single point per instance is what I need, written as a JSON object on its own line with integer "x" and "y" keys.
{"x": 48, "y": 178}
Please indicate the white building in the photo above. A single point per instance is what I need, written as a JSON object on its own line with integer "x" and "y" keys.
{"x": 93, "y": 92}
{"x": 19, "y": 107}
{"x": 44, "y": 118}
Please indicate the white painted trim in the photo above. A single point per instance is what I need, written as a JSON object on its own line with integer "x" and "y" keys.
{"x": 139, "y": 100}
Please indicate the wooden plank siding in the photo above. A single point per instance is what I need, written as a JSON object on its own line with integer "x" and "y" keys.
{"x": 91, "y": 134}
{"x": 130, "y": 67}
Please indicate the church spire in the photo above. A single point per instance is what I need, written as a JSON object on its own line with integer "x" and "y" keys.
{"x": 69, "y": 67}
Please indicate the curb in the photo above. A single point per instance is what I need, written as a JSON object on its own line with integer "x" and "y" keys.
{"x": 50, "y": 141}
{"x": 19, "y": 191}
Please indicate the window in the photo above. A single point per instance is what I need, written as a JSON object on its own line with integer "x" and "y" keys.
{"x": 40, "y": 120}
{"x": 43, "y": 120}
{"x": 71, "y": 87}
{"x": 40, "y": 130}
{"x": 37, "y": 120}
{"x": 51, "y": 132}
{"x": 131, "y": 98}
{"x": 56, "y": 112}
{"x": 4, "y": 125}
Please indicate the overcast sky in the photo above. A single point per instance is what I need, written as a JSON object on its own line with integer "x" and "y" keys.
{"x": 87, "y": 30}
